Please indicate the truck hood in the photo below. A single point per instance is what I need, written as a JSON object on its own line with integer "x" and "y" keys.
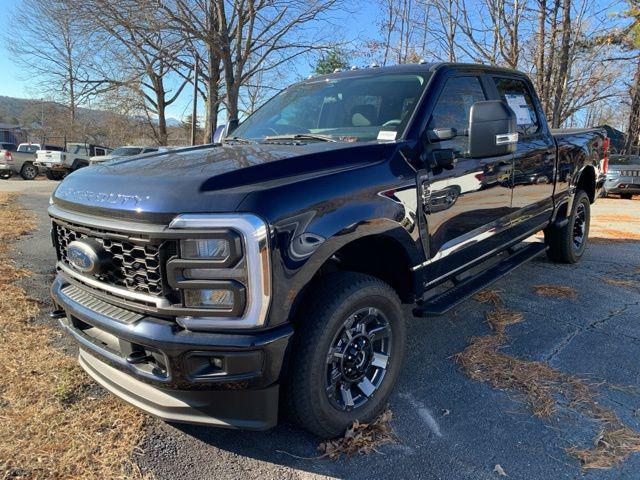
{"x": 213, "y": 178}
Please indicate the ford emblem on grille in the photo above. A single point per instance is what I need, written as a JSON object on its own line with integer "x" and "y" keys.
{"x": 87, "y": 256}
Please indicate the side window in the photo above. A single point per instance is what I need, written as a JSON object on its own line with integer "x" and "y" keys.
{"x": 516, "y": 94}
{"x": 454, "y": 104}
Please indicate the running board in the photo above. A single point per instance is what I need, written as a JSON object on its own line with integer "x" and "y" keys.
{"x": 442, "y": 303}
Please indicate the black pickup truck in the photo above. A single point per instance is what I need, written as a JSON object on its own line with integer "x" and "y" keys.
{"x": 221, "y": 284}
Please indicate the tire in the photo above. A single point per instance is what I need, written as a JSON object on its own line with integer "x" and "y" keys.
{"x": 52, "y": 175}
{"x": 29, "y": 171}
{"x": 567, "y": 244}
{"x": 317, "y": 374}
{"x": 626, "y": 196}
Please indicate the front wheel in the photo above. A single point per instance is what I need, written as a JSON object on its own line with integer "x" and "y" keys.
{"x": 29, "y": 171}
{"x": 567, "y": 244}
{"x": 347, "y": 355}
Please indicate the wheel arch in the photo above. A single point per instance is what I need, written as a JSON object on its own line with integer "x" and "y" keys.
{"x": 587, "y": 182}
{"x": 382, "y": 256}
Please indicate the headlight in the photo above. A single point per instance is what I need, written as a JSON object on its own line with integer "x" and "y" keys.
{"x": 215, "y": 249}
{"x": 222, "y": 270}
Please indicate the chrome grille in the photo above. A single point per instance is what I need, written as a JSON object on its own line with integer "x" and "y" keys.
{"x": 630, "y": 173}
{"x": 135, "y": 264}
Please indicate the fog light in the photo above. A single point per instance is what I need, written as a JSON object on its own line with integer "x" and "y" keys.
{"x": 214, "y": 298}
{"x": 212, "y": 249}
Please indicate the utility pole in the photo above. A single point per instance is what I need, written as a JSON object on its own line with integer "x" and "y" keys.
{"x": 194, "y": 113}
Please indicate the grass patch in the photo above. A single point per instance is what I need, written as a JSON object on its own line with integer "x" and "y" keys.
{"x": 556, "y": 291}
{"x": 49, "y": 426}
{"x": 544, "y": 389}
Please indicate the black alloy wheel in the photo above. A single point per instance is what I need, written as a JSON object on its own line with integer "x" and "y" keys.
{"x": 579, "y": 227}
{"x": 357, "y": 359}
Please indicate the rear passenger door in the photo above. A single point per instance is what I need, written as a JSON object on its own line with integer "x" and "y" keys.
{"x": 534, "y": 160}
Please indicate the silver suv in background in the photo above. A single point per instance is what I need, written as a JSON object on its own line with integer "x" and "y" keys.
{"x": 125, "y": 151}
{"x": 623, "y": 176}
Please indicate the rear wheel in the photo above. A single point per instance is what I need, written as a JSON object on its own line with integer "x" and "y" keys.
{"x": 347, "y": 355}
{"x": 29, "y": 171}
{"x": 567, "y": 244}
{"x": 53, "y": 175}
{"x": 626, "y": 196}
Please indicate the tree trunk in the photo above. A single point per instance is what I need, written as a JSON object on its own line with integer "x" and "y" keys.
{"x": 563, "y": 65}
{"x": 161, "y": 112}
{"x": 633, "y": 131}
{"x": 541, "y": 34}
{"x": 213, "y": 96}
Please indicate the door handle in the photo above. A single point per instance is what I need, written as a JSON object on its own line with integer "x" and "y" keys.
{"x": 506, "y": 138}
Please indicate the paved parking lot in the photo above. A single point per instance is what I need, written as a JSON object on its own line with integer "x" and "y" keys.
{"x": 449, "y": 426}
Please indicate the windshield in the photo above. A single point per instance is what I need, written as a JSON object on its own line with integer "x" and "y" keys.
{"x": 126, "y": 151}
{"x": 355, "y": 108}
{"x": 28, "y": 148}
{"x": 624, "y": 160}
{"x": 77, "y": 148}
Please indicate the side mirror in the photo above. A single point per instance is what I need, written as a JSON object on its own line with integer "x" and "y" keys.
{"x": 219, "y": 134}
{"x": 492, "y": 129}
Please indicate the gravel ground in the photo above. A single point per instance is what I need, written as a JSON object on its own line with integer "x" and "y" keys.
{"x": 449, "y": 426}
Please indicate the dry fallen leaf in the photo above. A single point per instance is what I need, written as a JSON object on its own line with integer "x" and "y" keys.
{"x": 360, "y": 438}
{"x": 499, "y": 470}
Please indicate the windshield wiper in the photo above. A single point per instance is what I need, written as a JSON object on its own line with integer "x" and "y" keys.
{"x": 238, "y": 140}
{"x": 301, "y": 136}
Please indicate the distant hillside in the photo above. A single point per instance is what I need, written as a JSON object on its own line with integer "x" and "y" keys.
{"x": 25, "y": 111}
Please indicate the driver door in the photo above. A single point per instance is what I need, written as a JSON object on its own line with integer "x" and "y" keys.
{"x": 464, "y": 200}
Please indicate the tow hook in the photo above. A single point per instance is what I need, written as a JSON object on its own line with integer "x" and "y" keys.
{"x": 139, "y": 357}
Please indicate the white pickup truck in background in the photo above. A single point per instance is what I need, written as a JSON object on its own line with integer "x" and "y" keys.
{"x": 20, "y": 160}
{"x": 77, "y": 155}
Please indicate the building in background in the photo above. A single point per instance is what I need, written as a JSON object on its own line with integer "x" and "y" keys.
{"x": 12, "y": 133}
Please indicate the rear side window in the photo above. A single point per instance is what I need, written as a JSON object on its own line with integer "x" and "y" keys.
{"x": 454, "y": 104}
{"x": 516, "y": 94}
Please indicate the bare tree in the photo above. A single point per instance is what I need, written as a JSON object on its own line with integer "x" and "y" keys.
{"x": 250, "y": 36}
{"x": 53, "y": 46}
{"x": 138, "y": 54}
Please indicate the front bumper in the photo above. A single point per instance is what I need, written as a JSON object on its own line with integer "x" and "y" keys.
{"x": 170, "y": 372}
{"x": 51, "y": 166}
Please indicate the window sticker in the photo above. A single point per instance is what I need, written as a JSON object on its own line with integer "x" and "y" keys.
{"x": 524, "y": 115}
{"x": 387, "y": 135}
